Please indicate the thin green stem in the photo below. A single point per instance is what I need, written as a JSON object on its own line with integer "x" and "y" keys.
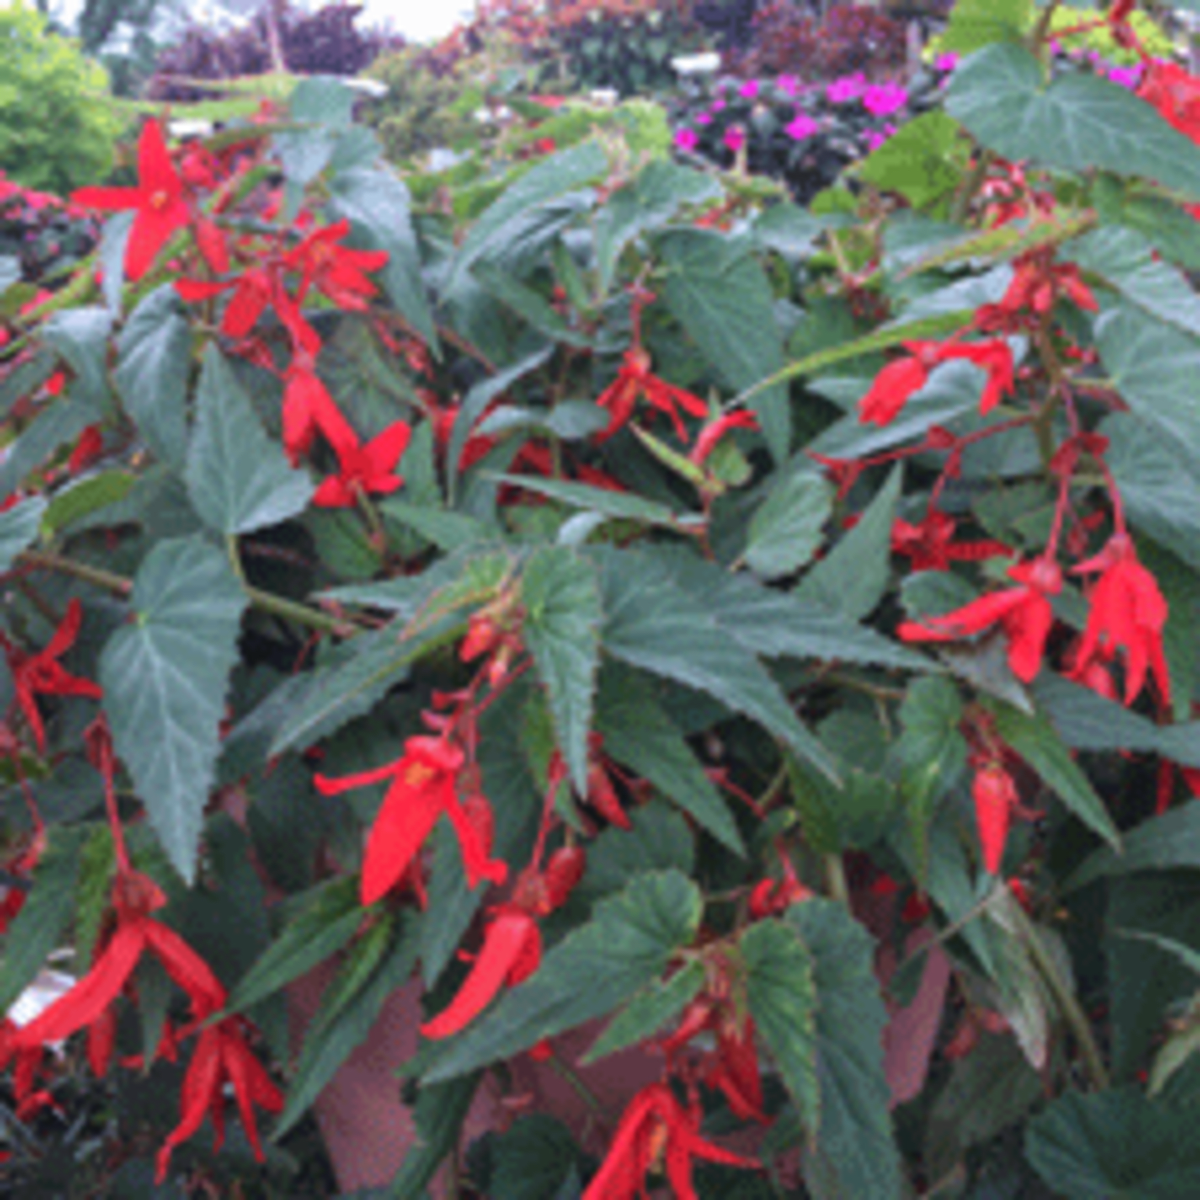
{"x": 580, "y": 1088}
{"x": 970, "y": 185}
{"x": 835, "y": 879}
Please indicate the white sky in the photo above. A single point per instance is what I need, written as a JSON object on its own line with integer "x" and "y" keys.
{"x": 418, "y": 20}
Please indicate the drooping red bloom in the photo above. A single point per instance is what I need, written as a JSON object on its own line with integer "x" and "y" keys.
{"x": 369, "y": 469}
{"x": 424, "y": 786}
{"x": 158, "y": 199}
{"x": 221, "y": 1058}
{"x": 135, "y": 897}
{"x": 931, "y": 546}
{"x": 1175, "y": 93}
{"x": 309, "y": 409}
{"x": 900, "y": 379}
{"x": 1023, "y": 612}
{"x": 335, "y": 270}
{"x": 511, "y": 952}
{"x": 995, "y": 796}
{"x": 635, "y": 379}
{"x": 41, "y": 674}
{"x": 1127, "y": 612}
{"x": 656, "y": 1133}
{"x": 714, "y": 431}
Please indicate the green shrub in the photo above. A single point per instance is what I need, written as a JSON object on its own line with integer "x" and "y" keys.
{"x": 56, "y": 127}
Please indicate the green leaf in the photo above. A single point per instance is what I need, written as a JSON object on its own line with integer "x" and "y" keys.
{"x": 855, "y": 1154}
{"x": 1154, "y": 367}
{"x": 1116, "y": 1145}
{"x": 852, "y": 578}
{"x": 85, "y": 499}
{"x": 782, "y": 997}
{"x": 658, "y": 840}
{"x": 329, "y": 918}
{"x": 977, "y": 23}
{"x": 19, "y": 528}
{"x": 1078, "y": 122}
{"x": 1163, "y": 842}
{"x": 238, "y": 480}
{"x": 534, "y": 1160}
{"x": 788, "y": 528}
{"x": 1034, "y": 739}
{"x": 527, "y": 303}
{"x": 561, "y": 629}
{"x": 438, "y": 1116}
{"x": 376, "y": 203}
{"x": 53, "y": 427}
{"x": 10, "y": 272}
{"x": 1185, "y": 954}
{"x": 164, "y": 678}
{"x": 923, "y": 160}
{"x": 24, "y": 378}
{"x": 721, "y": 297}
{"x": 379, "y": 963}
{"x": 641, "y": 736}
{"x": 81, "y": 337}
{"x": 1087, "y": 721}
{"x": 621, "y": 506}
{"x": 552, "y": 178}
{"x": 38, "y": 928}
{"x": 624, "y": 947}
{"x": 648, "y": 1012}
{"x": 153, "y": 361}
{"x": 653, "y": 624}
{"x": 1124, "y": 259}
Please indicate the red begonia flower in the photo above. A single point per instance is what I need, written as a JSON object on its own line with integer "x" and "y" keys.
{"x": 1127, "y": 611}
{"x": 424, "y": 786}
{"x": 158, "y": 199}
{"x": 995, "y": 797}
{"x": 335, "y": 270}
{"x": 221, "y": 1058}
{"x": 511, "y": 952}
{"x": 1024, "y": 613}
{"x": 41, "y": 674}
{"x": 309, "y": 409}
{"x": 635, "y": 379}
{"x": 931, "y": 546}
{"x": 656, "y": 1133}
{"x": 714, "y": 431}
{"x": 366, "y": 469}
{"x": 891, "y": 390}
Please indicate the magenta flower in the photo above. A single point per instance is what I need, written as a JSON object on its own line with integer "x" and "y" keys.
{"x": 884, "y": 98}
{"x": 789, "y": 85}
{"x": 1128, "y": 77}
{"x": 875, "y": 138}
{"x": 703, "y": 118}
{"x": 717, "y": 105}
{"x": 735, "y": 138}
{"x": 749, "y": 89}
{"x": 946, "y": 62}
{"x": 686, "y": 139}
{"x": 848, "y": 88}
{"x": 802, "y": 127}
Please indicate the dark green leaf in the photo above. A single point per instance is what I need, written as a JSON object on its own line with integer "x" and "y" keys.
{"x": 1116, "y": 1146}
{"x": 19, "y": 527}
{"x": 850, "y": 580}
{"x": 561, "y": 629}
{"x": 782, "y": 997}
{"x": 624, "y": 506}
{"x": 855, "y": 1154}
{"x": 787, "y": 530}
{"x": 438, "y": 1115}
{"x": 164, "y": 678}
{"x": 1163, "y": 842}
{"x": 237, "y": 478}
{"x": 81, "y": 336}
{"x": 153, "y": 361}
{"x": 721, "y": 297}
{"x": 659, "y": 840}
{"x": 53, "y": 427}
{"x": 1078, "y": 122}
{"x": 532, "y": 1160}
{"x": 625, "y": 946}
{"x": 533, "y": 308}
{"x": 648, "y": 1012}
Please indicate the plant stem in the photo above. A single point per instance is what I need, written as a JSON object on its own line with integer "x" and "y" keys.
{"x": 969, "y": 186}
{"x": 577, "y": 1085}
{"x": 835, "y": 880}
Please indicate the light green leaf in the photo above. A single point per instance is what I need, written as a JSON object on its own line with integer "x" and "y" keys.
{"x": 621, "y": 506}
{"x": 561, "y": 629}
{"x": 153, "y": 362}
{"x": 922, "y": 161}
{"x": 976, "y": 23}
{"x": 625, "y": 946}
{"x": 238, "y": 480}
{"x": 1078, "y": 122}
{"x": 165, "y": 677}
{"x": 86, "y": 498}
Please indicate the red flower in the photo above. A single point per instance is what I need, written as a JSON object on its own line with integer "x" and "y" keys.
{"x": 714, "y": 431}
{"x": 931, "y": 547}
{"x": 370, "y": 468}
{"x": 996, "y": 799}
{"x": 1024, "y": 613}
{"x": 337, "y": 271}
{"x": 309, "y": 409}
{"x": 253, "y": 291}
{"x": 42, "y": 674}
{"x": 511, "y": 952}
{"x": 221, "y": 1058}
{"x": 635, "y": 379}
{"x": 1127, "y": 611}
{"x": 892, "y": 388}
{"x": 87, "y": 1003}
{"x": 424, "y": 786}
{"x": 158, "y": 199}
{"x": 656, "y": 1133}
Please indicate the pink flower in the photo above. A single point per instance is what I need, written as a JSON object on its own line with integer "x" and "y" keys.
{"x": 802, "y": 127}
{"x": 789, "y": 85}
{"x": 735, "y": 138}
{"x": 703, "y": 118}
{"x": 1128, "y": 77}
{"x": 749, "y": 89}
{"x": 717, "y": 105}
{"x": 686, "y": 139}
{"x": 946, "y": 62}
{"x": 848, "y": 88}
{"x": 884, "y": 98}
